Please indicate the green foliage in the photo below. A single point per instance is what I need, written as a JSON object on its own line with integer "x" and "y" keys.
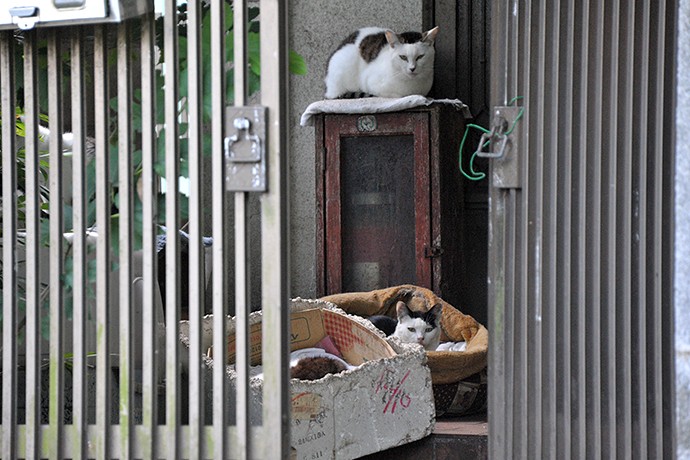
{"x": 297, "y": 66}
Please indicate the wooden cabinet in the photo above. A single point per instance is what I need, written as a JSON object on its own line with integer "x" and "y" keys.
{"x": 389, "y": 201}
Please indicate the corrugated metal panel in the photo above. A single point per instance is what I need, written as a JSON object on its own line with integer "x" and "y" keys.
{"x": 579, "y": 315}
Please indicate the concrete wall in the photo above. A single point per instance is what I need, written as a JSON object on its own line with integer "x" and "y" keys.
{"x": 316, "y": 29}
{"x": 682, "y": 274}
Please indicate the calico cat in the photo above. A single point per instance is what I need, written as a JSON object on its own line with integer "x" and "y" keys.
{"x": 378, "y": 62}
{"x": 315, "y": 367}
{"x": 413, "y": 327}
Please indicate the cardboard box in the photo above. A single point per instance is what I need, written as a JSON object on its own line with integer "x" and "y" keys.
{"x": 357, "y": 343}
{"x": 386, "y": 402}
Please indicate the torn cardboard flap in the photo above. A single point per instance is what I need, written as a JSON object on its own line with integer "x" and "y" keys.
{"x": 355, "y": 342}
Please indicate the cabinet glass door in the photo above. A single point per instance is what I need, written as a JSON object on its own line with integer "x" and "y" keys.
{"x": 377, "y": 201}
{"x": 377, "y": 212}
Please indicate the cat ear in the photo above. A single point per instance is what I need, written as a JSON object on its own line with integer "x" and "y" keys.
{"x": 430, "y": 35}
{"x": 392, "y": 38}
{"x": 402, "y": 310}
{"x": 436, "y": 310}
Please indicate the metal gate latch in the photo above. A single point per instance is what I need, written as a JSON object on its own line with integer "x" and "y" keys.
{"x": 245, "y": 158}
{"x": 504, "y": 138}
{"x": 497, "y": 136}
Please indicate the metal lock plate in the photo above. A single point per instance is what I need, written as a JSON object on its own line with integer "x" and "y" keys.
{"x": 245, "y": 149}
{"x": 504, "y": 139}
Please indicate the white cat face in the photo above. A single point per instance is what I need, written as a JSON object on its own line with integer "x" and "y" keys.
{"x": 410, "y": 58}
{"x": 415, "y": 330}
{"x": 424, "y": 329}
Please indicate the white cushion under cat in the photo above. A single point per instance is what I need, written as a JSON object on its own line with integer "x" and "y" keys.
{"x": 374, "y": 105}
{"x": 451, "y": 346}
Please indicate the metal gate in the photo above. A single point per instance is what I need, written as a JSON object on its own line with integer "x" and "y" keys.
{"x": 92, "y": 362}
{"x": 581, "y": 230}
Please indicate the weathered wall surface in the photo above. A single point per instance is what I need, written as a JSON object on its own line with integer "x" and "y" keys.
{"x": 316, "y": 29}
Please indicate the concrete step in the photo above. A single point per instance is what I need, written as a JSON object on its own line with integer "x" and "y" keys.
{"x": 461, "y": 438}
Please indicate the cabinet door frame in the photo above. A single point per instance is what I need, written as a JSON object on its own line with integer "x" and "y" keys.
{"x": 330, "y": 129}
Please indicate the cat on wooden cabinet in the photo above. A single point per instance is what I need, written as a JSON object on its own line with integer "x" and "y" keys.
{"x": 412, "y": 326}
{"x": 378, "y": 62}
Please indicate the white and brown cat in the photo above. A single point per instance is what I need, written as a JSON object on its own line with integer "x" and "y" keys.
{"x": 378, "y": 62}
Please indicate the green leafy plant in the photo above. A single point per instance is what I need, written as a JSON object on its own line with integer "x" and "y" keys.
{"x": 297, "y": 66}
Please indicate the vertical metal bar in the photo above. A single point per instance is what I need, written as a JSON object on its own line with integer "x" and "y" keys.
{"x": 125, "y": 205}
{"x": 609, "y": 148}
{"x": 242, "y": 309}
{"x": 219, "y": 215}
{"x": 518, "y": 237}
{"x": 103, "y": 247}
{"x": 552, "y": 190}
{"x": 240, "y": 51}
{"x": 275, "y": 234}
{"x": 511, "y": 235}
{"x": 655, "y": 269}
{"x": 666, "y": 242}
{"x": 623, "y": 269}
{"x": 579, "y": 315}
{"x": 506, "y": 208}
{"x": 242, "y": 261}
{"x": 640, "y": 413}
{"x": 9, "y": 247}
{"x": 56, "y": 368}
{"x": 196, "y": 393}
{"x": 149, "y": 201}
{"x": 499, "y": 398}
{"x": 565, "y": 222}
{"x": 172, "y": 245}
{"x": 33, "y": 236}
{"x": 79, "y": 220}
{"x": 535, "y": 238}
{"x": 593, "y": 235}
